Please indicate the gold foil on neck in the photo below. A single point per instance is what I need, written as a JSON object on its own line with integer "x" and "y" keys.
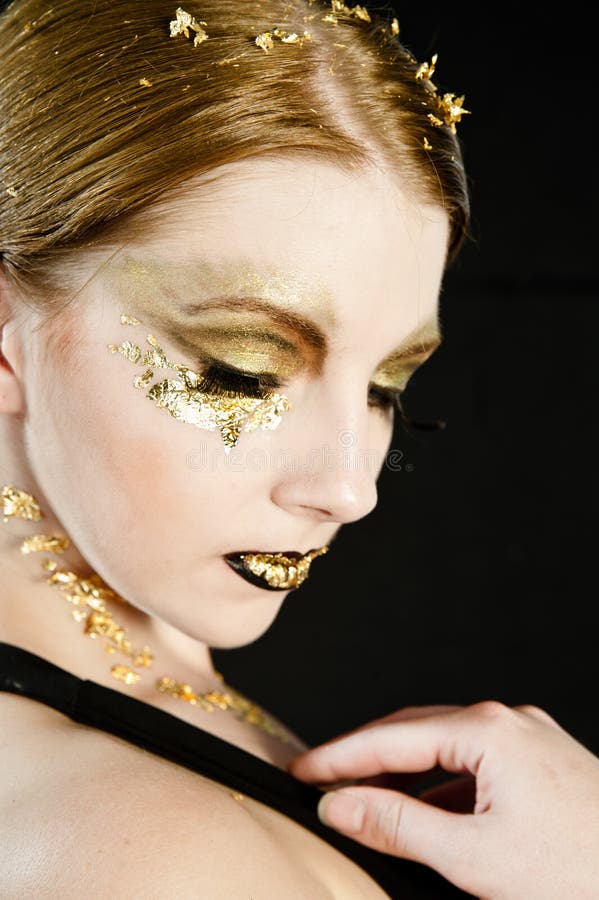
{"x": 19, "y": 504}
{"x": 279, "y": 570}
{"x": 227, "y": 412}
{"x": 49, "y": 543}
{"x": 88, "y": 597}
{"x": 124, "y": 673}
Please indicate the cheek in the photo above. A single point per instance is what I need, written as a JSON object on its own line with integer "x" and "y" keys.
{"x": 161, "y": 487}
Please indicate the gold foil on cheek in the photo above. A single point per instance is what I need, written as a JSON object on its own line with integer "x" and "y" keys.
{"x": 230, "y": 415}
{"x": 228, "y": 412}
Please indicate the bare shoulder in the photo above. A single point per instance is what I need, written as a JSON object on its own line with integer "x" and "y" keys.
{"x": 84, "y": 813}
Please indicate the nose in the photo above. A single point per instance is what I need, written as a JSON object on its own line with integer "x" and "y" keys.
{"x": 330, "y": 477}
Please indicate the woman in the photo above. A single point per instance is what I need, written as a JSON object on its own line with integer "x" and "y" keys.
{"x": 243, "y": 215}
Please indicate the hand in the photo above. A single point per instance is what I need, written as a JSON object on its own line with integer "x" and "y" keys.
{"x": 521, "y": 822}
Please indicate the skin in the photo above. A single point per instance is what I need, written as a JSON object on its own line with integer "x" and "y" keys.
{"x": 363, "y": 261}
{"x": 152, "y": 503}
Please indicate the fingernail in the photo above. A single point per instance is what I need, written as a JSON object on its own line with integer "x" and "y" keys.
{"x": 341, "y": 810}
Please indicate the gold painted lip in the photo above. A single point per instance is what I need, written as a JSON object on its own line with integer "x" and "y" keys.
{"x": 274, "y": 571}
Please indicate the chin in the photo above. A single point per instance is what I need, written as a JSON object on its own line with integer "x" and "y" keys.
{"x": 226, "y": 619}
{"x": 237, "y": 630}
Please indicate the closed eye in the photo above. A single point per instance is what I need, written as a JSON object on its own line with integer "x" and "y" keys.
{"x": 383, "y": 398}
{"x": 220, "y": 379}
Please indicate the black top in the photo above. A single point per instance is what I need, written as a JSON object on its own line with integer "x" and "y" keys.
{"x": 90, "y": 703}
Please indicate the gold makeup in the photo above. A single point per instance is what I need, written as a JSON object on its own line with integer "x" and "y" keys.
{"x": 17, "y": 503}
{"x": 248, "y": 320}
{"x": 88, "y": 597}
{"x": 156, "y": 287}
{"x": 184, "y": 23}
{"x": 394, "y": 372}
{"x": 45, "y": 542}
{"x": 195, "y": 399}
{"x": 274, "y": 571}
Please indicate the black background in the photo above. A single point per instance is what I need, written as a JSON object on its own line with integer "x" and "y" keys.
{"x": 475, "y": 576}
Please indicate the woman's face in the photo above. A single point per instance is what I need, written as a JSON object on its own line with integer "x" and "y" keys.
{"x": 323, "y": 288}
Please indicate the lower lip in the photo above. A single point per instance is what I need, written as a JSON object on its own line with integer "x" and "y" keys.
{"x": 237, "y": 566}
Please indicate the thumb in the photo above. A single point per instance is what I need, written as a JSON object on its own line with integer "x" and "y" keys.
{"x": 404, "y": 826}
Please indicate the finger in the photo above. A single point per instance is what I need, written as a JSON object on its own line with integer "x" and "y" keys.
{"x": 406, "y": 827}
{"x": 453, "y": 741}
{"x": 405, "y": 714}
{"x": 457, "y": 796}
{"x": 536, "y": 712}
{"x": 392, "y": 780}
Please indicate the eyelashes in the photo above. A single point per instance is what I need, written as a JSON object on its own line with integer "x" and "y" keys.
{"x": 384, "y": 398}
{"x": 222, "y": 380}
{"x": 389, "y": 398}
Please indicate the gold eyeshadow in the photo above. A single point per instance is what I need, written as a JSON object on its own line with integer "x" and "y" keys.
{"x": 252, "y": 348}
{"x": 394, "y": 373}
{"x": 243, "y": 331}
{"x": 156, "y": 286}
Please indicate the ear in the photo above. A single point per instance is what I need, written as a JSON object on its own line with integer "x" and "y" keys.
{"x": 11, "y": 395}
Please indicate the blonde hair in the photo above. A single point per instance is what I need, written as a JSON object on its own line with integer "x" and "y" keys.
{"x": 102, "y": 113}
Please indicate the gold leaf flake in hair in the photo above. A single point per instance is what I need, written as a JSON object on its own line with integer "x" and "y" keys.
{"x": 452, "y": 109}
{"x": 358, "y": 12}
{"x": 435, "y": 120}
{"x": 11, "y": 191}
{"x": 449, "y": 107}
{"x": 426, "y": 70}
{"x": 290, "y": 37}
{"x": 394, "y": 27}
{"x": 426, "y": 144}
{"x": 145, "y": 82}
{"x": 265, "y": 39}
{"x": 184, "y": 22}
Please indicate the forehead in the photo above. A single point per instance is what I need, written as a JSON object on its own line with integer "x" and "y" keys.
{"x": 301, "y": 233}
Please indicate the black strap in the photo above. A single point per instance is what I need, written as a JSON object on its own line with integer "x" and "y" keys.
{"x": 90, "y": 703}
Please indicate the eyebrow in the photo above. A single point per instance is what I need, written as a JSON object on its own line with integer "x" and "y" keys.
{"x": 422, "y": 340}
{"x": 308, "y": 331}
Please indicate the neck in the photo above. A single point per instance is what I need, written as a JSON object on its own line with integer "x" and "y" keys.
{"x": 38, "y": 616}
